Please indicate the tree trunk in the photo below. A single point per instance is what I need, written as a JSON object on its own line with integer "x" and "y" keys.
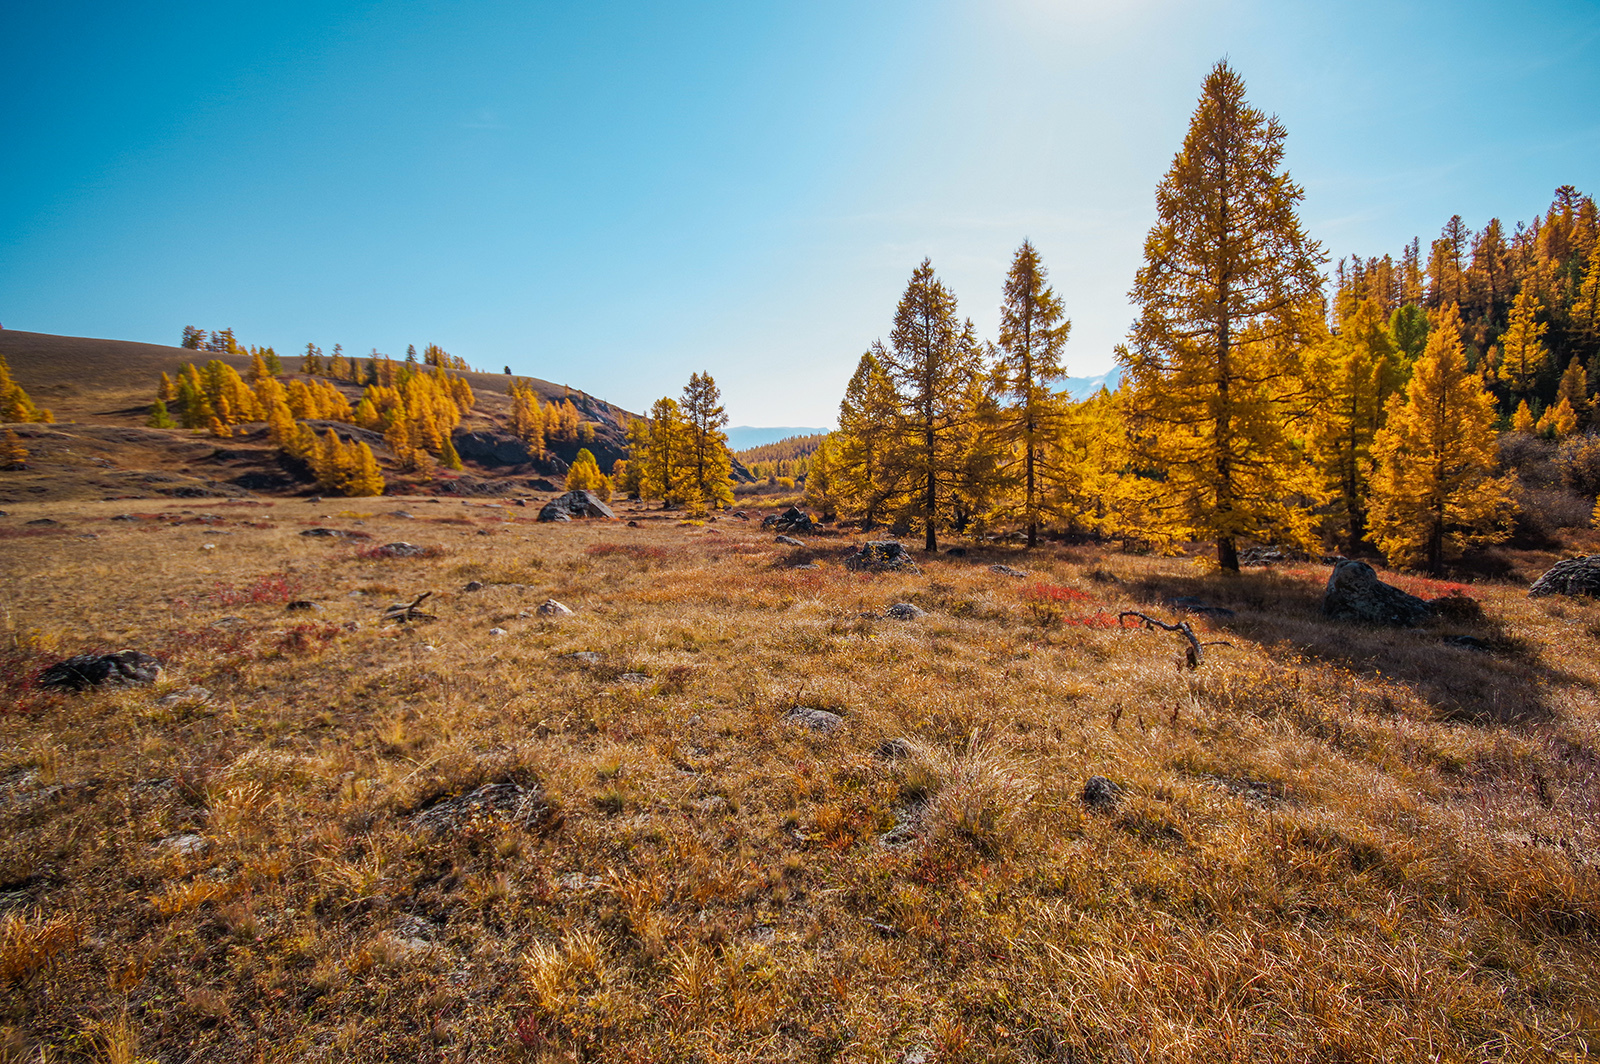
{"x": 1227, "y": 554}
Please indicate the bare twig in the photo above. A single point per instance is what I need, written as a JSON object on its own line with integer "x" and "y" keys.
{"x": 1193, "y": 653}
{"x": 408, "y": 611}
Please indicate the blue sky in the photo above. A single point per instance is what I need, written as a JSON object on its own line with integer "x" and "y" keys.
{"x": 615, "y": 195}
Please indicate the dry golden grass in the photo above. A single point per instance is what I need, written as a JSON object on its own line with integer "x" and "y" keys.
{"x": 1333, "y": 843}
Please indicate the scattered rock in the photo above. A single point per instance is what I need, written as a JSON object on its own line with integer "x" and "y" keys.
{"x": 474, "y": 585}
{"x": 907, "y": 822}
{"x": 193, "y": 696}
{"x": 633, "y": 524}
{"x": 741, "y": 515}
{"x": 1571, "y": 576}
{"x": 497, "y": 631}
{"x": 789, "y": 541}
{"x": 314, "y": 498}
{"x": 124, "y": 517}
{"x": 187, "y": 844}
{"x": 43, "y": 521}
{"x": 806, "y": 565}
{"x": 893, "y": 750}
{"x": 575, "y": 504}
{"x": 819, "y": 720}
{"x": 905, "y": 611}
{"x": 400, "y": 513}
{"x": 586, "y": 657}
{"x": 793, "y": 519}
{"x": 882, "y": 556}
{"x": 332, "y": 533}
{"x": 304, "y": 606}
{"x": 401, "y": 549}
{"x": 552, "y": 608}
{"x": 83, "y": 671}
{"x": 1006, "y": 570}
{"x": 637, "y": 678}
{"x": 1468, "y": 642}
{"x": 524, "y": 806}
{"x": 1191, "y": 604}
{"x": 1356, "y": 594}
{"x": 1100, "y": 794}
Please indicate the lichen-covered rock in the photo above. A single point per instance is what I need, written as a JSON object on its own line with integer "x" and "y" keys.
{"x": 1356, "y": 594}
{"x": 552, "y": 608}
{"x": 818, "y": 720}
{"x": 793, "y": 519}
{"x": 83, "y": 671}
{"x": 882, "y": 556}
{"x": 575, "y": 504}
{"x": 510, "y": 802}
{"x": 1573, "y": 576}
{"x": 905, "y": 611}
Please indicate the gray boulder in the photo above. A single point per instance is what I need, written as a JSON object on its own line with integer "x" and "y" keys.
{"x": 1573, "y": 576}
{"x": 905, "y": 611}
{"x": 83, "y": 671}
{"x": 882, "y": 556}
{"x": 793, "y": 519}
{"x": 1100, "y": 795}
{"x": 1356, "y": 594}
{"x": 575, "y": 504}
{"x": 789, "y": 541}
{"x": 818, "y": 720}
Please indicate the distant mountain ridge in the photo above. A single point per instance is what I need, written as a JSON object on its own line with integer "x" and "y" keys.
{"x": 1081, "y": 388}
{"x": 744, "y": 437}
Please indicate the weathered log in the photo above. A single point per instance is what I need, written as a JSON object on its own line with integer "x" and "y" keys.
{"x": 408, "y": 611}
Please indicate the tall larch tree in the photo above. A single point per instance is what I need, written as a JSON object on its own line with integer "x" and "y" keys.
{"x": 1434, "y": 491}
{"x": 665, "y": 459}
{"x": 1354, "y": 374}
{"x": 1033, "y": 330}
{"x": 1230, "y": 292}
{"x": 1523, "y": 355}
{"x": 931, "y": 360}
{"x": 710, "y": 461}
{"x": 863, "y": 481}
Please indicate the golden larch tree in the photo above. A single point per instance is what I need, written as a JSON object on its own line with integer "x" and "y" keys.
{"x": 1434, "y": 492}
{"x": 1230, "y": 292}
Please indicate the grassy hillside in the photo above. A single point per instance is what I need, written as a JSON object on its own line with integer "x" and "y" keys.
{"x": 1327, "y": 843}
{"x": 100, "y": 392}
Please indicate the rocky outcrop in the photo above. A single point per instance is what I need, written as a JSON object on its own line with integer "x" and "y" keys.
{"x": 83, "y": 671}
{"x": 882, "y": 556}
{"x": 1356, "y": 594}
{"x": 1574, "y": 576}
{"x": 492, "y": 449}
{"x": 793, "y": 519}
{"x": 575, "y": 504}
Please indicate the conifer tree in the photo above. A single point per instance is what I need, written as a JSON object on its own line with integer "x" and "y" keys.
{"x": 1559, "y": 421}
{"x": 15, "y": 406}
{"x": 1523, "y": 355}
{"x": 1433, "y": 489}
{"x": 1033, "y": 330}
{"x": 194, "y": 339}
{"x": 584, "y": 475}
{"x": 931, "y": 360}
{"x": 864, "y": 478}
{"x": 159, "y": 418}
{"x": 1229, "y": 293}
{"x": 1354, "y": 375}
{"x": 666, "y": 459}
{"x": 365, "y": 476}
{"x": 311, "y": 363}
{"x": 448, "y": 456}
{"x": 710, "y": 463}
{"x": 165, "y": 391}
{"x": 1574, "y": 388}
{"x": 13, "y": 455}
{"x": 1523, "y": 420}
{"x": 819, "y": 493}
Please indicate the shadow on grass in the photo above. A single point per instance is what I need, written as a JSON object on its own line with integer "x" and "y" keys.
{"x": 1498, "y": 681}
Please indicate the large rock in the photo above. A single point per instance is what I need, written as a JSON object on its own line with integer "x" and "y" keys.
{"x": 1356, "y": 594}
{"x": 83, "y": 671}
{"x": 575, "y": 504}
{"x": 793, "y": 519}
{"x": 1574, "y": 576}
{"x": 882, "y": 556}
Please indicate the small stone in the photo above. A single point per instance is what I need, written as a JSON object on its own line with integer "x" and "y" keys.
{"x": 789, "y": 541}
{"x": 586, "y": 657}
{"x": 208, "y": 546}
{"x": 893, "y": 750}
{"x": 194, "y": 696}
{"x": 497, "y": 631}
{"x": 474, "y": 585}
{"x": 401, "y": 550}
{"x": 820, "y": 720}
{"x": 552, "y": 608}
{"x": 329, "y": 533}
{"x": 187, "y": 844}
{"x": 43, "y": 521}
{"x": 1006, "y": 570}
{"x": 633, "y": 678}
{"x": 905, "y": 611}
{"x": 400, "y": 513}
{"x": 315, "y": 498}
{"x": 304, "y": 606}
{"x": 1100, "y": 794}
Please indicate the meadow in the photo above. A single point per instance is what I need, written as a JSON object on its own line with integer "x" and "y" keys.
{"x": 324, "y": 835}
